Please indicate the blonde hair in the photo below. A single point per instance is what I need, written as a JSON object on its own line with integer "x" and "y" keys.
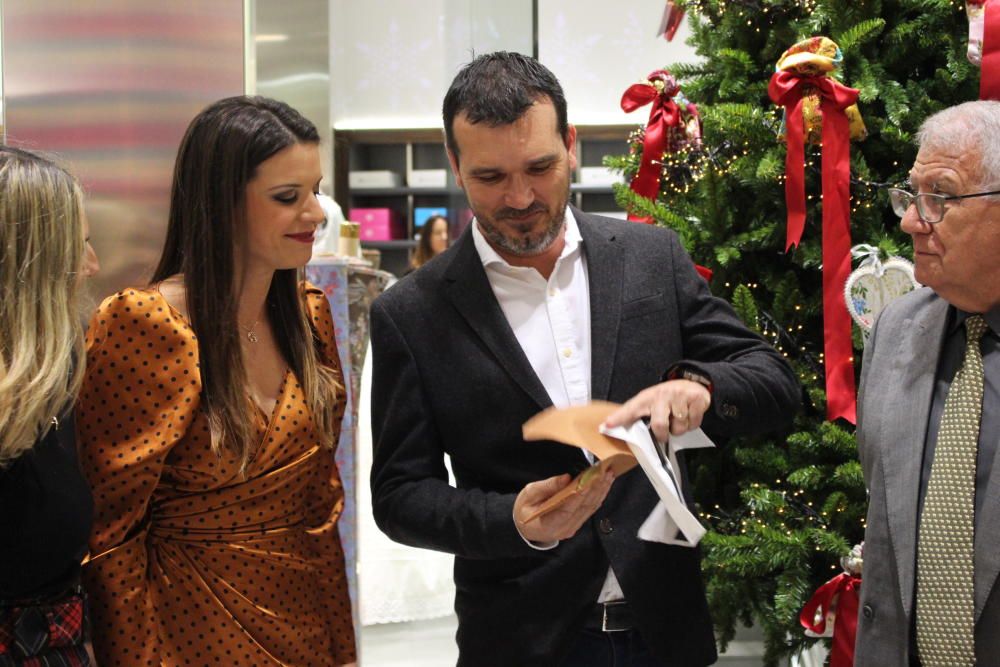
{"x": 41, "y": 338}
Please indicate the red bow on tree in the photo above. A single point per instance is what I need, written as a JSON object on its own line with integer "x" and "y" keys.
{"x": 787, "y": 88}
{"x": 664, "y": 117}
{"x": 841, "y": 591}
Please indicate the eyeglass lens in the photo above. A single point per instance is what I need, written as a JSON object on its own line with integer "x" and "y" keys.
{"x": 930, "y": 207}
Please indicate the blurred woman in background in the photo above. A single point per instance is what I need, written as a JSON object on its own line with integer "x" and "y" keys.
{"x": 45, "y": 505}
{"x": 433, "y": 241}
{"x": 209, "y": 415}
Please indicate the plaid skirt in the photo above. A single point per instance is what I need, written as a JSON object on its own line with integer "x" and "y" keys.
{"x": 45, "y": 633}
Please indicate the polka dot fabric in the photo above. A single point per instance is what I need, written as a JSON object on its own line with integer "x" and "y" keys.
{"x": 192, "y": 564}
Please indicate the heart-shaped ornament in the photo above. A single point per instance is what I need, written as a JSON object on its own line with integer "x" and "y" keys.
{"x": 874, "y": 285}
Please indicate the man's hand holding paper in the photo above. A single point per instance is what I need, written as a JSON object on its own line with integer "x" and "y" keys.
{"x": 673, "y": 407}
{"x": 619, "y": 448}
{"x": 562, "y": 522}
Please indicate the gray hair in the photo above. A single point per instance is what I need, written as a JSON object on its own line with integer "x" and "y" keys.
{"x": 972, "y": 127}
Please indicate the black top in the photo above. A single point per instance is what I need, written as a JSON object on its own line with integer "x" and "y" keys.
{"x": 45, "y": 516}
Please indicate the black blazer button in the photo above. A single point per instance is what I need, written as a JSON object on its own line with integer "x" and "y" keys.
{"x": 605, "y": 526}
{"x": 868, "y": 612}
{"x": 729, "y": 410}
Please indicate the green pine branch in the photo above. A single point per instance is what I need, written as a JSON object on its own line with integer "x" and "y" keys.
{"x": 859, "y": 34}
{"x": 783, "y": 510}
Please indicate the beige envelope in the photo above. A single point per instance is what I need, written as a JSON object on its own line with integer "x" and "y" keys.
{"x": 578, "y": 426}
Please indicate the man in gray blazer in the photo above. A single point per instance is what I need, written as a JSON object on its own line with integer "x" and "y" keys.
{"x": 540, "y": 304}
{"x": 929, "y": 414}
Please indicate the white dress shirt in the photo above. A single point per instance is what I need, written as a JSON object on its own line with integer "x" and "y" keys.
{"x": 551, "y": 321}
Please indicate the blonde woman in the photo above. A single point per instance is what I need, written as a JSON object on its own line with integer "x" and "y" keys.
{"x": 208, "y": 417}
{"x": 45, "y": 506}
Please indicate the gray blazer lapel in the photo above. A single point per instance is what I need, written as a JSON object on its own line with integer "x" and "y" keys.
{"x": 905, "y": 416}
{"x": 987, "y": 558}
{"x": 605, "y": 274}
{"x": 469, "y": 290}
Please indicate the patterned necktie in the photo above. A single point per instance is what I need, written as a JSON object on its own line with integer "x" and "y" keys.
{"x": 945, "y": 591}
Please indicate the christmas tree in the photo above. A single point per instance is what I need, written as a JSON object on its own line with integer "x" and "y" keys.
{"x": 784, "y": 511}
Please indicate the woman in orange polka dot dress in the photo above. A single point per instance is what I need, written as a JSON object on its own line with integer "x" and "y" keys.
{"x": 211, "y": 405}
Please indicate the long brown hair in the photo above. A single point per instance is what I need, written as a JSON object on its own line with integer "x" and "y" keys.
{"x": 218, "y": 156}
{"x": 41, "y": 339}
{"x": 424, "y": 253}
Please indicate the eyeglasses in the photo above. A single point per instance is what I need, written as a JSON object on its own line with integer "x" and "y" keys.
{"x": 930, "y": 206}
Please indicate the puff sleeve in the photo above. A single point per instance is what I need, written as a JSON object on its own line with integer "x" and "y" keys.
{"x": 139, "y": 397}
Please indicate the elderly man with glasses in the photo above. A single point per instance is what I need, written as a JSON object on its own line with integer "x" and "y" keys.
{"x": 929, "y": 413}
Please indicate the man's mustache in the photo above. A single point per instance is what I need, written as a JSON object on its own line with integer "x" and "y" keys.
{"x": 519, "y": 212}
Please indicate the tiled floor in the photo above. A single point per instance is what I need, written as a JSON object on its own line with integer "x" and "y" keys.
{"x": 418, "y": 644}
{"x": 432, "y": 644}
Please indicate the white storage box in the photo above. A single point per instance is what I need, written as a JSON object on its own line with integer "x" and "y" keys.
{"x": 598, "y": 176}
{"x": 428, "y": 178}
{"x": 380, "y": 178}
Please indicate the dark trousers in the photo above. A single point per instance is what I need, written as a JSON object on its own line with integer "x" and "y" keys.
{"x": 595, "y": 648}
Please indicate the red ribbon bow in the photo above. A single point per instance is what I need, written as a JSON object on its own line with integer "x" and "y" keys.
{"x": 845, "y": 627}
{"x": 664, "y": 115}
{"x": 786, "y": 89}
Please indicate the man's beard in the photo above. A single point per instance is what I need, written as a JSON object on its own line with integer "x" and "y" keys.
{"x": 524, "y": 246}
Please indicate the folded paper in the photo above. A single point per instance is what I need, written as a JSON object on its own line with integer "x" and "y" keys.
{"x": 621, "y": 449}
{"x": 670, "y": 522}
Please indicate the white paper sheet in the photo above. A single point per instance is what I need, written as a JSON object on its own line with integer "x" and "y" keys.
{"x": 670, "y": 522}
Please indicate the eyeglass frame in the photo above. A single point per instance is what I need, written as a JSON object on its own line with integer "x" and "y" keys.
{"x": 914, "y": 198}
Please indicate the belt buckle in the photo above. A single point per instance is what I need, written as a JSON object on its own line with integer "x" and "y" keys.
{"x": 604, "y": 616}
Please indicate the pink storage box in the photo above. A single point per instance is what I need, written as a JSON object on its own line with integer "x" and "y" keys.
{"x": 378, "y": 224}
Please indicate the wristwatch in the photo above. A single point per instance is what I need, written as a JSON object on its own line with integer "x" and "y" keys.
{"x": 683, "y": 373}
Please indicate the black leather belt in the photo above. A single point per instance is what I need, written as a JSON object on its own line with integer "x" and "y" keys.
{"x": 610, "y": 617}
